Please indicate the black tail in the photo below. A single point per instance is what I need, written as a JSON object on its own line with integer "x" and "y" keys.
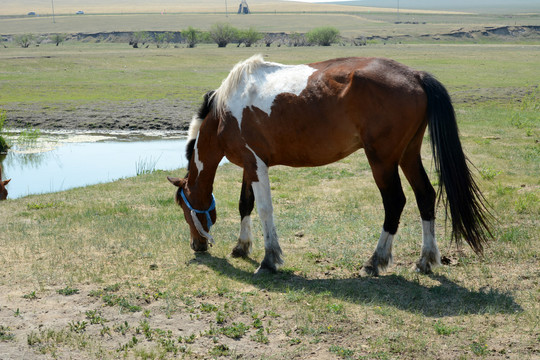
{"x": 470, "y": 216}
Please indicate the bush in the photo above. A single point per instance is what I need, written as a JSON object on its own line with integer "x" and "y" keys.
{"x": 323, "y": 36}
{"x": 138, "y": 37}
{"x": 58, "y": 38}
{"x": 222, "y": 34}
{"x": 24, "y": 40}
{"x": 249, "y": 36}
{"x": 192, "y": 36}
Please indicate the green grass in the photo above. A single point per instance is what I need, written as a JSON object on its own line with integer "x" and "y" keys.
{"x": 124, "y": 245}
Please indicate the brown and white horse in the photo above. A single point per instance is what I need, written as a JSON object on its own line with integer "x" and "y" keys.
{"x": 3, "y": 183}
{"x": 266, "y": 114}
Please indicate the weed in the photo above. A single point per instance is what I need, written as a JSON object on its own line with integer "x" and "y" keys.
{"x": 525, "y": 203}
{"x": 443, "y": 329}
{"x": 335, "y": 308}
{"x": 129, "y": 345}
{"x": 205, "y": 307}
{"x": 144, "y": 328}
{"x": 6, "y": 334}
{"x": 188, "y": 340}
{"x": 68, "y": 291}
{"x": 30, "y": 296}
{"x": 220, "y": 350}
{"x": 78, "y": 327}
{"x": 95, "y": 317}
{"x": 220, "y": 317}
{"x": 122, "y": 302}
{"x": 479, "y": 348}
{"x": 260, "y": 337}
{"x": 488, "y": 173}
{"x": 146, "y": 166}
{"x": 341, "y": 351}
{"x": 295, "y": 341}
{"x": 235, "y": 331}
{"x": 121, "y": 328}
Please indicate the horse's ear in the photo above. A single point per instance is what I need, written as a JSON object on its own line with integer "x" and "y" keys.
{"x": 175, "y": 181}
{"x": 6, "y": 182}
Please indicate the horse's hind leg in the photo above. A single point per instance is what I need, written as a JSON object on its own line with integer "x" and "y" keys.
{"x": 245, "y": 206}
{"x": 387, "y": 179}
{"x": 413, "y": 169}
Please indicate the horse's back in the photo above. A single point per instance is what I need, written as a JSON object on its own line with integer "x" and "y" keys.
{"x": 347, "y": 104}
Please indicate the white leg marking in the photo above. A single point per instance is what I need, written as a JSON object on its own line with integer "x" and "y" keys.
{"x": 245, "y": 237}
{"x": 263, "y": 198}
{"x": 430, "y": 250}
{"x": 384, "y": 249}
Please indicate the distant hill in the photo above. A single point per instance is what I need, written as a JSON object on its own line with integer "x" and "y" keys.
{"x": 486, "y": 6}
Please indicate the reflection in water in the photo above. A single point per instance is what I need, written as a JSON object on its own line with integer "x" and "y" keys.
{"x": 60, "y": 164}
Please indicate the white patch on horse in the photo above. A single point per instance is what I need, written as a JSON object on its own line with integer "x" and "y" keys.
{"x": 198, "y": 163}
{"x": 246, "y": 236}
{"x": 384, "y": 248}
{"x": 256, "y": 83}
{"x": 430, "y": 250}
{"x": 263, "y": 199}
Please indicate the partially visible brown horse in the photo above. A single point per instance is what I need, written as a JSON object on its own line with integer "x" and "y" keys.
{"x": 3, "y": 183}
{"x": 266, "y": 114}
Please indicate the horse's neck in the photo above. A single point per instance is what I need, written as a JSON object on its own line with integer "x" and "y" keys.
{"x": 203, "y": 165}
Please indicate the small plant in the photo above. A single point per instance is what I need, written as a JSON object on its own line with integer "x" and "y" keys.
{"x": 68, "y": 291}
{"x": 488, "y": 173}
{"x": 30, "y": 296}
{"x": 235, "y": 331}
{"x": 443, "y": 329}
{"x": 479, "y": 348}
{"x": 78, "y": 327}
{"x": 260, "y": 337}
{"x": 6, "y": 334}
{"x": 220, "y": 350}
{"x": 146, "y": 166}
{"x": 205, "y": 307}
{"x": 4, "y": 146}
{"x": 341, "y": 351}
{"x": 95, "y": 317}
{"x": 121, "y": 328}
{"x": 220, "y": 317}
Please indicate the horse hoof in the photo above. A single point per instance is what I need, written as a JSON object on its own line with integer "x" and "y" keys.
{"x": 265, "y": 270}
{"x": 238, "y": 252}
{"x": 369, "y": 271}
{"x": 423, "y": 268}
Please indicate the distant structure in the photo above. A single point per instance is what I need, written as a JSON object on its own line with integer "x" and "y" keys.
{"x": 243, "y": 8}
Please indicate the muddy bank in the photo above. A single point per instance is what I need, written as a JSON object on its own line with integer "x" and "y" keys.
{"x": 165, "y": 115}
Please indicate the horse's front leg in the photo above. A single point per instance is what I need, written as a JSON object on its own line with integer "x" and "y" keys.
{"x": 245, "y": 206}
{"x": 272, "y": 250}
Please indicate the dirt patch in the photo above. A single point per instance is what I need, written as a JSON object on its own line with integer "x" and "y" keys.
{"x": 165, "y": 114}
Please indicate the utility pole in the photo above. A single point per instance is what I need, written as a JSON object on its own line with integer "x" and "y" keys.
{"x": 226, "y": 12}
{"x": 52, "y": 1}
{"x": 397, "y": 10}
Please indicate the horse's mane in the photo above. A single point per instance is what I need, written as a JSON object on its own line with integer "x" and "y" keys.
{"x": 230, "y": 84}
{"x": 196, "y": 123}
{"x": 217, "y": 100}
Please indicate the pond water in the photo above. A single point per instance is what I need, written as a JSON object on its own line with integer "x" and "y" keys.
{"x": 56, "y": 162}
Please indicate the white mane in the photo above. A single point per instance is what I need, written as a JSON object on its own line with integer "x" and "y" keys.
{"x": 231, "y": 82}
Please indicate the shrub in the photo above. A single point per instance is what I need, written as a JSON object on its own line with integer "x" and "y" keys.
{"x": 24, "y": 40}
{"x": 323, "y": 36}
{"x": 249, "y": 36}
{"x": 58, "y": 38}
{"x": 192, "y": 36}
{"x": 223, "y": 33}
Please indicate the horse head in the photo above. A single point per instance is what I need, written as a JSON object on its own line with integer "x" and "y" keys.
{"x": 199, "y": 221}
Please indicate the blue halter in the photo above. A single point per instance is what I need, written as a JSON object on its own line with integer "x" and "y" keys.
{"x": 206, "y": 212}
